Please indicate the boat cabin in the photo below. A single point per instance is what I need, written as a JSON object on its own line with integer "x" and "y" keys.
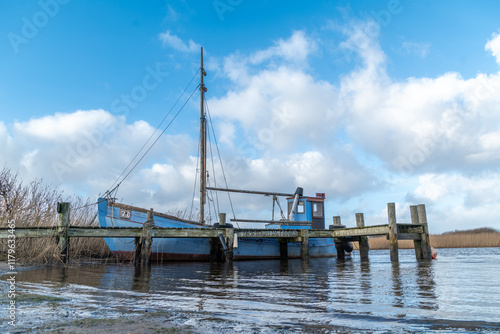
{"x": 309, "y": 213}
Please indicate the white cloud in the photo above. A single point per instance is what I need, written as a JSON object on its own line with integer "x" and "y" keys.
{"x": 493, "y": 46}
{"x": 178, "y": 44}
{"x": 460, "y": 202}
{"x": 419, "y": 124}
{"x": 69, "y": 126}
{"x": 295, "y": 49}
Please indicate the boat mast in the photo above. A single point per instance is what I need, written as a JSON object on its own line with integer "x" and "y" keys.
{"x": 203, "y": 142}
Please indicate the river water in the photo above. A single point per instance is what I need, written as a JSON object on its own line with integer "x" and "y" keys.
{"x": 458, "y": 292}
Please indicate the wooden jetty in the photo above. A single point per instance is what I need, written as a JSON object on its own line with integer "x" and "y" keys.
{"x": 221, "y": 239}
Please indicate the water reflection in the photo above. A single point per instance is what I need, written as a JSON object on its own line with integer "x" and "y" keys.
{"x": 397, "y": 287}
{"x": 365, "y": 283}
{"x": 426, "y": 286}
{"x": 296, "y": 295}
{"x": 141, "y": 279}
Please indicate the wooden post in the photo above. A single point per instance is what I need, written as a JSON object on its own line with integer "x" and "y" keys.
{"x": 393, "y": 232}
{"x": 339, "y": 246}
{"x": 229, "y": 243}
{"x": 283, "y": 248}
{"x": 138, "y": 247}
{"x": 222, "y": 219}
{"x": 336, "y": 221}
{"x": 304, "y": 246}
{"x": 147, "y": 239}
{"x": 417, "y": 243}
{"x": 214, "y": 248}
{"x": 363, "y": 241}
{"x": 63, "y": 230}
{"x": 424, "y": 237}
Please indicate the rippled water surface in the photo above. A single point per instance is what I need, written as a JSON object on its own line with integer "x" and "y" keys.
{"x": 459, "y": 292}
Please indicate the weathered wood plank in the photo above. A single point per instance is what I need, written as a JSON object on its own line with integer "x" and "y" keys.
{"x": 29, "y": 232}
{"x": 409, "y": 236}
{"x": 95, "y": 232}
{"x": 410, "y": 228}
{"x": 350, "y": 232}
{"x": 417, "y": 244}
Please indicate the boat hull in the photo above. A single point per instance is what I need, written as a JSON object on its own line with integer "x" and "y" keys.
{"x": 193, "y": 249}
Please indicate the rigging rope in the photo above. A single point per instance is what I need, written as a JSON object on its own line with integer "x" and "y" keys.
{"x": 220, "y": 160}
{"x": 157, "y": 128}
{"x": 216, "y": 202}
{"x": 195, "y": 181}
{"x": 151, "y": 146}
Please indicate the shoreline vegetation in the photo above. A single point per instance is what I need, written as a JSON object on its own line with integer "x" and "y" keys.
{"x": 34, "y": 204}
{"x": 475, "y": 238}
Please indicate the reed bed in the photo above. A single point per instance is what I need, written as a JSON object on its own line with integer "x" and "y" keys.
{"x": 35, "y": 205}
{"x": 483, "y": 237}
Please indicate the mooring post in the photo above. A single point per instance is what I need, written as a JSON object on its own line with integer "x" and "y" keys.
{"x": 147, "y": 239}
{"x": 416, "y": 243}
{"x": 424, "y": 237}
{"x": 222, "y": 219}
{"x": 63, "y": 230}
{"x": 336, "y": 221}
{"x": 304, "y": 245}
{"x": 283, "y": 248}
{"x": 138, "y": 247}
{"x": 363, "y": 240}
{"x": 339, "y": 245}
{"x": 229, "y": 243}
{"x": 393, "y": 232}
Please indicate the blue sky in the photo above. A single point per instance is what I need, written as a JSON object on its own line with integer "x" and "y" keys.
{"x": 368, "y": 101}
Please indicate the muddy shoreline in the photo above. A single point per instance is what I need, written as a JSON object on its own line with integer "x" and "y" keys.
{"x": 155, "y": 322}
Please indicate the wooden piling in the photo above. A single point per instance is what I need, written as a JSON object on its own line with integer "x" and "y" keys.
{"x": 363, "y": 240}
{"x": 416, "y": 243}
{"x": 393, "y": 232}
{"x": 222, "y": 219}
{"x": 304, "y": 246}
{"x": 424, "y": 237}
{"x": 63, "y": 230}
{"x": 229, "y": 243}
{"x": 283, "y": 248}
{"x": 146, "y": 241}
{"x": 339, "y": 246}
{"x": 336, "y": 221}
{"x": 137, "y": 253}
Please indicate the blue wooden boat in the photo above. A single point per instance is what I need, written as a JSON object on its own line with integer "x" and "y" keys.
{"x": 303, "y": 213}
{"x": 309, "y": 214}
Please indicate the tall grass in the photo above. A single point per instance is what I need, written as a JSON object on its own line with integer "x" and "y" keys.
{"x": 483, "y": 237}
{"x": 35, "y": 205}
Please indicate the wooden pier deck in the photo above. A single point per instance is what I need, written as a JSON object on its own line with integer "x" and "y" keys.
{"x": 222, "y": 238}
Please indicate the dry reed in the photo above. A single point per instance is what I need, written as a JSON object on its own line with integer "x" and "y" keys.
{"x": 34, "y": 205}
{"x": 458, "y": 239}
